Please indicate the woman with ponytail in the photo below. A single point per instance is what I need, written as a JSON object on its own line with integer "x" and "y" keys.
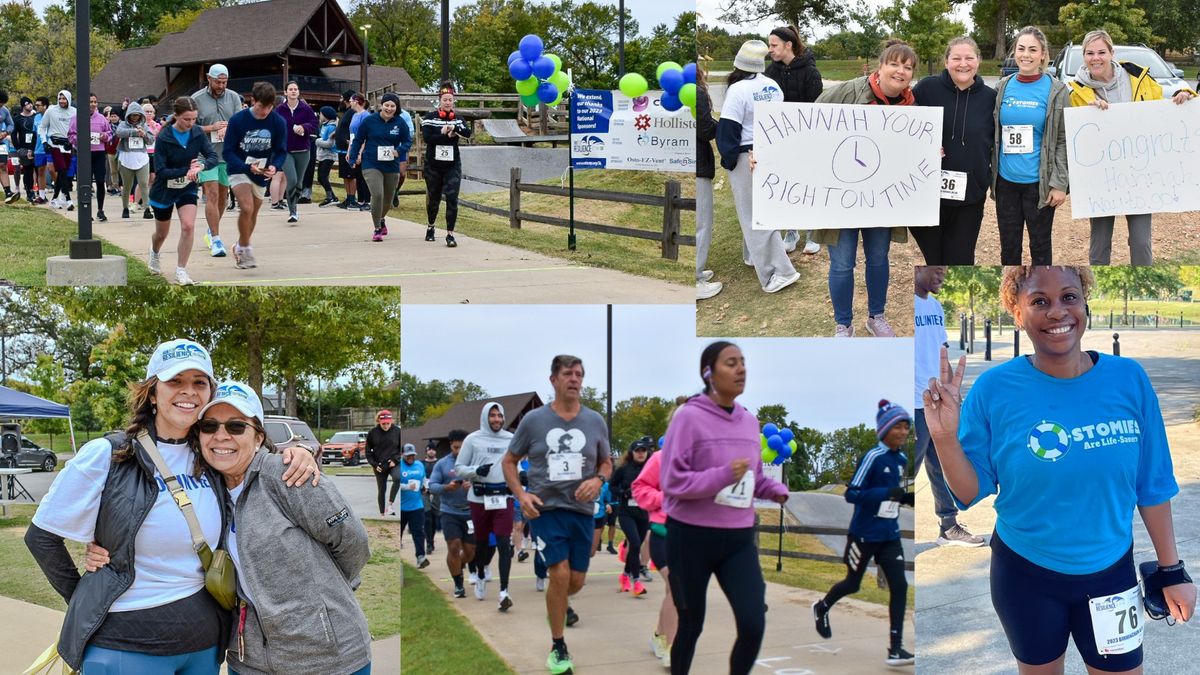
{"x": 443, "y": 163}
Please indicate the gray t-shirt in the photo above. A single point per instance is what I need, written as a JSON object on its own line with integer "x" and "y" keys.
{"x": 210, "y": 110}
{"x": 551, "y": 442}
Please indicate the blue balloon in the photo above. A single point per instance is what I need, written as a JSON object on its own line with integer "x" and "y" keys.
{"x": 785, "y": 451}
{"x": 689, "y": 74}
{"x": 547, "y": 92}
{"x": 531, "y": 48}
{"x": 520, "y": 69}
{"x": 661, "y": 440}
{"x": 778, "y": 461}
{"x": 543, "y": 68}
{"x": 775, "y": 443}
{"x": 787, "y": 435}
{"x": 671, "y": 81}
{"x": 770, "y": 430}
{"x": 513, "y": 57}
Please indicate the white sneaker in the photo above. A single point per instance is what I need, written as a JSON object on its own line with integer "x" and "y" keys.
{"x": 472, "y": 579}
{"x": 243, "y": 258}
{"x": 811, "y": 248}
{"x": 155, "y": 264}
{"x": 56, "y": 203}
{"x": 844, "y": 331}
{"x": 182, "y": 278}
{"x": 879, "y": 327}
{"x": 216, "y": 248}
{"x": 540, "y": 585}
{"x": 480, "y": 589}
{"x": 706, "y": 275}
{"x": 707, "y": 289}
{"x": 790, "y": 239}
{"x": 69, "y": 204}
{"x": 778, "y": 283}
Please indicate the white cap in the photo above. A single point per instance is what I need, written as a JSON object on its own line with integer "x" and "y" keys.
{"x": 239, "y": 395}
{"x": 175, "y": 356}
{"x": 217, "y": 70}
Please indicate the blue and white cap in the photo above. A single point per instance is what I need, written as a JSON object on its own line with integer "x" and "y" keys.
{"x": 175, "y": 356}
{"x": 239, "y": 395}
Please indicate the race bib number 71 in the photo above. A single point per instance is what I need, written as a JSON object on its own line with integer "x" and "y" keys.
{"x": 740, "y": 495}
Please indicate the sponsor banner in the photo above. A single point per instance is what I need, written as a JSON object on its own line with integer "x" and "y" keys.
{"x": 609, "y": 130}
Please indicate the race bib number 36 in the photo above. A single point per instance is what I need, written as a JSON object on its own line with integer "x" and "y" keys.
{"x": 566, "y": 466}
{"x": 1017, "y": 139}
{"x": 444, "y": 153}
{"x": 739, "y": 495}
{"x": 1117, "y": 622}
{"x": 954, "y": 185}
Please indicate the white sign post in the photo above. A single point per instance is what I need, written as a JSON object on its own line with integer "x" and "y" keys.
{"x": 1134, "y": 158}
{"x": 825, "y": 166}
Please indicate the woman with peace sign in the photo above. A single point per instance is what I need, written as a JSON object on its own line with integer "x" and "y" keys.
{"x": 1070, "y": 441}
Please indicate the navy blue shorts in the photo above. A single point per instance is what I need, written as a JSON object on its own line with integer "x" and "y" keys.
{"x": 1039, "y": 608}
{"x": 560, "y": 535}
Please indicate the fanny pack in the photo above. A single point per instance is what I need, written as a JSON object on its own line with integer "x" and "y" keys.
{"x": 1154, "y": 580}
{"x": 485, "y": 490}
{"x": 659, "y": 529}
{"x": 220, "y": 576}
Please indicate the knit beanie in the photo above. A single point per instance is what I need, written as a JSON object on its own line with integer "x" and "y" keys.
{"x": 328, "y": 112}
{"x": 888, "y": 416}
{"x": 751, "y": 57}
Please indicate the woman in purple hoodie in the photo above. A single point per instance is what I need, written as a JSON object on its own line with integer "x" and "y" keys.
{"x": 100, "y": 133}
{"x": 301, "y": 124}
{"x": 711, "y": 474}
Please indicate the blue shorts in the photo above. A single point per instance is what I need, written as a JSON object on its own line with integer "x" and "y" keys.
{"x": 103, "y": 660}
{"x": 1039, "y": 608}
{"x": 40, "y": 159}
{"x": 560, "y": 535}
{"x": 365, "y": 670}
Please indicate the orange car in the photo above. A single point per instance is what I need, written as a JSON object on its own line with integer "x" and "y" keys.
{"x": 346, "y": 446}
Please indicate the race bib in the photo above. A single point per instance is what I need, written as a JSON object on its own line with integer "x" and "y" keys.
{"x": 178, "y": 183}
{"x": 739, "y": 495}
{"x": 566, "y": 466}
{"x": 632, "y": 502}
{"x": 954, "y": 185}
{"x": 443, "y": 153}
{"x": 470, "y": 527}
{"x": 3, "y": 149}
{"x": 260, "y": 162}
{"x": 595, "y": 509}
{"x": 95, "y": 138}
{"x": 1116, "y": 621}
{"x": 28, "y": 139}
{"x": 888, "y": 509}
{"x": 216, "y": 136}
{"x": 1017, "y": 139}
{"x": 351, "y": 140}
{"x": 136, "y": 143}
{"x": 494, "y": 502}
{"x": 385, "y": 153}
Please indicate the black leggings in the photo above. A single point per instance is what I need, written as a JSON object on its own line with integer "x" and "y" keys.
{"x": 1017, "y": 208}
{"x": 323, "y": 176}
{"x": 381, "y": 479}
{"x": 889, "y": 555}
{"x": 635, "y": 529}
{"x": 952, "y": 242}
{"x": 99, "y": 175}
{"x": 440, "y": 183}
{"x": 693, "y": 555}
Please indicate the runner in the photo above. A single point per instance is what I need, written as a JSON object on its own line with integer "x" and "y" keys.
{"x": 603, "y": 511}
{"x": 412, "y": 508}
{"x": 877, "y": 491}
{"x": 326, "y": 154}
{"x": 6, "y": 131}
{"x": 648, "y": 492}
{"x": 358, "y": 104}
{"x": 113, "y": 184}
{"x": 99, "y": 134}
{"x": 42, "y": 161}
{"x": 610, "y": 514}
{"x": 433, "y": 502}
{"x": 376, "y": 152}
{"x": 482, "y": 453}
{"x": 456, "y": 515}
{"x": 25, "y": 144}
{"x": 635, "y": 523}
{"x": 217, "y": 104}
{"x": 341, "y": 137}
{"x": 382, "y": 452}
{"x": 133, "y": 160}
{"x": 53, "y": 129}
{"x": 443, "y": 163}
{"x": 178, "y": 168}
{"x": 254, "y": 151}
{"x": 1103, "y": 451}
{"x": 301, "y": 124}
{"x": 711, "y": 473}
{"x": 567, "y": 447}
{"x": 155, "y": 127}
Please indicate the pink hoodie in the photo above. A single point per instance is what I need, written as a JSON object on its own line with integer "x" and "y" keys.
{"x": 647, "y": 492}
{"x": 702, "y": 441}
{"x": 99, "y": 124}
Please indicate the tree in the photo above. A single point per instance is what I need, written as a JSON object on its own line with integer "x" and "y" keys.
{"x": 43, "y": 59}
{"x": 48, "y": 381}
{"x": 773, "y": 413}
{"x": 644, "y": 53}
{"x": 132, "y": 23}
{"x": 178, "y": 20}
{"x": 404, "y": 33}
{"x": 639, "y": 416}
{"x": 1174, "y": 22}
{"x": 1123, "y": 20}
{"x": 417, "y": 396}
{"x": 803, "y": 14}
{"x": 965, "y": 286}
{"x": 1126, "y": 281}
{"x": 842, "y": 450}
{"x": 593, "y": 398}
{"x": 923, "y": 25}
{"x": 17, "y": 19}
{"x": 485, "y": 32}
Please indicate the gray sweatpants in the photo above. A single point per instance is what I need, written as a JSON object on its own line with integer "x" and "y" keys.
{"x": 143, "y": 180}
{"x": 382, "y": 186}
{"x": 1100, "y": 249}
{"x": 764, "y": 248}
{"x": 293, "y": 170}
{"x": 704, "y": 222}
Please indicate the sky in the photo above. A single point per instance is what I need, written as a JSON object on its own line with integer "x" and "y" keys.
{"x": 709, "y": 10}
{"x": 506, "y": 349}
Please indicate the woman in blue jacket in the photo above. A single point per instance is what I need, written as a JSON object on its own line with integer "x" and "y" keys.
{"x": 377, "y": 149}
{"x": 177, "y": 164}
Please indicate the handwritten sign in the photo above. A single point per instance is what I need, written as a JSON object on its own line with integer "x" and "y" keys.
{"x": 829, "y": 166}
{"x": 1134, "y": 158}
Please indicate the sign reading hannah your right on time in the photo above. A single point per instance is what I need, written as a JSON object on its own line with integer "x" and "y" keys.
{"x": 826, "y": 166}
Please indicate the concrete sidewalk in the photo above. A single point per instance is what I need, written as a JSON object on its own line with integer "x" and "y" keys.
{"x": 614, "y": 629}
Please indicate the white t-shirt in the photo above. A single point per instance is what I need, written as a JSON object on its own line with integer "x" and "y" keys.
{"x": 166, "y": 568}
{"x": 929, "y": 334}
{"x": 740, "y": 100}
{"x": 231, "y": 539}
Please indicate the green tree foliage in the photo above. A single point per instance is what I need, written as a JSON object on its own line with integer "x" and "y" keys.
{"x": 639, "y": 416}
{"x": 1128, "y": 281}
{"x": 805, "y": 15}
{"x": 47, "y": 380}
{"x": 1174, "y": 23}
{"x": 924, "y": 26}
{"x": 840, "y": 453}
{"x": 774, "y": 413}
{"x": 404, "y": 33}
{"x": 17, "y": 19}
{"x": 180, "y": 18}
{"x": 132, "y": 23}
{"x": 665, "y": 43}
{"x": 974, "y": 290}
{"x": 1123, "y": 19}
{"x": 594, "y": 399}
{"x": 717, "y": 43}
{"x": 40, "y": 60}
{"x": 417, "y": 397}
{"x": 485, "y": 32}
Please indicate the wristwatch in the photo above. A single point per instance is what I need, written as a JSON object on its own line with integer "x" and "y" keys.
{"x": 603, "y": 480}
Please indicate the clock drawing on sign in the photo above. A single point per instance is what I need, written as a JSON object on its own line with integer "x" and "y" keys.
{"x": 856, "y": 159}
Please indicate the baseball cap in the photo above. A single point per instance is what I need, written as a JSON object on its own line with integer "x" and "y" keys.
{"x": 384, "y": 415}
{"x": 175, "y": 356}
{"x": 239, "y": 395}
{"x": 409, "y": 449}
{"x": 217, "y": 70}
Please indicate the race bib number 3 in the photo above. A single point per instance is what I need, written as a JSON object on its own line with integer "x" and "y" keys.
{"x": 1117, "y": 621}
{"x": 494, "y": 502}
{"x": 888, "y": 510}
{"x": 566, "y": 466}
{"x": 740, "y": 495}
{"x": 954, "y": 185}
{"x": 1017, "y": 139}
{"x": 444, "y": 153}
{"x": 385, "y": 153}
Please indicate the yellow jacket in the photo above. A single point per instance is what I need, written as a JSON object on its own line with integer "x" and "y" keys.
{"x": 1145, "y": 88}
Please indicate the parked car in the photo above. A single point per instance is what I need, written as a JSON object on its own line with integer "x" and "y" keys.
{"x": 287, "y": 432}
{"x": 1070, "y": 58}
{"x": 17, "y": 451}
{"x": 346, "y": 447}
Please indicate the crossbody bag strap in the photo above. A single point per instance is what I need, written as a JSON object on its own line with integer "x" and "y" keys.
{"x": 199, "y": 543}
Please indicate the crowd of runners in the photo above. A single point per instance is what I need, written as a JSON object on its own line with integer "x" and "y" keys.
{"x": 219, "y": 150}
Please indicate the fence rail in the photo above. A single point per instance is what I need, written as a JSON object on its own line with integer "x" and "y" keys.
{"x": 815, "y": 530}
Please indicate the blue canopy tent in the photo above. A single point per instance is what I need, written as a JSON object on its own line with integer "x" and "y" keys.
{"x": 19, "y": 405}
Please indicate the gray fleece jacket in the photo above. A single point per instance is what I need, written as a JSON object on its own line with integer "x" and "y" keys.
{"x": 127, "y": 130}
{"x": 1052, "y": 169}
{"x": 301, "y": 551}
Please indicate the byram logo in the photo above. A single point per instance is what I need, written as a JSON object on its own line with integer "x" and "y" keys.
{"x": 184, "y": 351}
{"x": 232, "y": 391}
{"x": 1049, "y": 441}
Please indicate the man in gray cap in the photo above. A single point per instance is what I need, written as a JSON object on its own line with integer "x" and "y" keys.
{"x": 412, "y": 507}
{"x": 215, "y": 104}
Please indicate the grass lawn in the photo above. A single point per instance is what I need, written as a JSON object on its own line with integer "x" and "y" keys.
{"x": 1168, "y": 310}
{"x": 626, "y": 254}
{"x": 851, "y": 68}
{"x": 435, "y": 637}
{"x": 30, "y": 234}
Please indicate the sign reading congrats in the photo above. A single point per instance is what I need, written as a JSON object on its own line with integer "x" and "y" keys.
{"x": 828, "y": 166}
{"x": 1134, "y": 158}
{"x": 609, "y": 130}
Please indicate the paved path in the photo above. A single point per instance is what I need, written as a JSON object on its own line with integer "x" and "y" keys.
{"x": 819, "y": 509}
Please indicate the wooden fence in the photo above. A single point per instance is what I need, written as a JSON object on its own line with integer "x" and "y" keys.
{"x": 769, "y": 546}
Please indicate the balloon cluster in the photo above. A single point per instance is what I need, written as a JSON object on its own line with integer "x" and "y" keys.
{"x": 539, "y": 77}
{"x": 678, "y": 84}
{"x": 777, "y": 444}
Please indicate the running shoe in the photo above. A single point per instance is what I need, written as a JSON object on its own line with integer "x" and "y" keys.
{"x": 348, "y": 203}
{"x": 821, "y": 619}
{"x": 487, "y": 573}
{"x": 811, "y": 248}
{"x": 706, "y": 275}
{"x": 71, "y": 205}
{"x": 480, "y": 589}
{"x": 155, "y": 265}
{"x": 232, "y": 205}
{"x": 422, "y": 562}
{"x": 383, "y": 227}
{"x": 182, "y": 278}
{"x": 611, "y": 549}
{"x": 305, "y": 198}
{"x": 646, "y": 578}
{"x": 843, "y": 331}
{"x": 125, "y": 213}
{"x": 778, "y": 283}
{"x": 101, "y": 217}
{"x": 56, "y": 203}
{"x": 429, "y": 236}
{"x": 365, "y": 206}
{"x": 293, "y": 217}
{"x": 505, "y": 601}
{"x": 790, "y": 239}
{"x": 957, "y": 535}
{"x": 540, "y": 584}
{"x": 450, "y": 243}
{"x": 327, "y": 201}
{"x": 658, "y": 643}
{"x": 559, "y": 662}
{"x": 460, "y": 592}
{"x": 147, "y": 214}
{"x": 279, "y": 206}
{"x": 243, "y": 258}
{"x": 624, "y": 582}
{"x": 638, "y": 588}
{"x": 378, "y": 236}
{"x": 217, "y": 248}
{"x": 898, "y": 656}
{"x": 879, "y": 327}
{"x": 522, "y": 556}
{"x": 707, "y": 289}
{"x": 572, "y": 617}
{"x": 14, "y": 197}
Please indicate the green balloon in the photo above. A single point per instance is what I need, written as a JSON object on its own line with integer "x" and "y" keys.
{"x": 561, "y": 80}
{"x": 687, "y": 95}
{"x": 556, "y": 101}
{"x": 530, "y": 100}
{"x": 664, "y": 67}
{"x": 527, "y": 87}
{"x": 769, "y": 456}
{"x": 633, "y": 85}
{"x": 557, "y": 63}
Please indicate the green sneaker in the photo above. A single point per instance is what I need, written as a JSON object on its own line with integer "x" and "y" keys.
{"x": 559, "y": 662}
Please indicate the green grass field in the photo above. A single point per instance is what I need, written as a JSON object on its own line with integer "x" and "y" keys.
{"x": 852, "y": 68}
{"x": 32, "y": 233}
{"x": 435, "y": 638}
{"x": 1101, "y": 307}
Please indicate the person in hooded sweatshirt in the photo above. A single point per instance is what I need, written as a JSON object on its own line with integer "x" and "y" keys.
{"x": 99, "y": 136}
{"x": 490, "y": 503}
{"x": 133, "y": 162}
{"x": 877, "y": 491}
{"x": 968, "y": 134}
{"x": 56, "y": 121}
{"x": 711, "y": 473}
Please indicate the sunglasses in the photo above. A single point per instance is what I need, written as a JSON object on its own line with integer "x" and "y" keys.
{"x": 234, "y": 427}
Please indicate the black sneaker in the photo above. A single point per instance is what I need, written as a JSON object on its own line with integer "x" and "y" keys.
{"x": 429, "y": 234}
{"x": 14, "y": 197}
{"x": 346, "y": 203}
{"x": 365, "y": 206}
{"x": 101, "y": 217}
{"x": 279, "y": 206}
{"x": 460, "y": 592}
{"x": 522, "y": 556}
{"x": 572, "y": 617}
{"x": 957, "y": 535}
{"x": 327, "y": 201}
{"x": 125, "y": 213}
{"x": 897, "y": 656}
{"x": 450, "y": 241}
{"x": 304, "y": 200}
{"x": 232, "y": 205}
{"x": 610, "y": 549}
{"x": 147, "y": 214}
{"x": 821, "y": 619}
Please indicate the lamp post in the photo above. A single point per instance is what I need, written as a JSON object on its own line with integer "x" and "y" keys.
{"x": 366, "y": 29}
{"x": 85, "y": 246}
{"x": 446, "y": 40}
{"x": 621, "y": 41}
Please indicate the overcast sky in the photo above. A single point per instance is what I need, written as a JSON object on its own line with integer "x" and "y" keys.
{"x": 823, "y": 383}
{"x": 709, "y": 10}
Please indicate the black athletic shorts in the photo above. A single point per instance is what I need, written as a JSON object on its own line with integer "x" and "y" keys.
{"x": 345, "y": 171}
{"x": 455, "y": 527}
{"x": 658, "y": 551}
{"x": 182, "y": 200}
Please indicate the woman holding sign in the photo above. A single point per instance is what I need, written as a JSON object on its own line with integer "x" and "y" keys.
{"x": 968, "y": 130}
{"x": 1030, "y": 154}
{"x": 1100, "y": 82}
{"x": 888, "y": 85}
{"x": 1064, "y": 430}
{"x": 711, "y": 472}
{"x": 376, "y": 148}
